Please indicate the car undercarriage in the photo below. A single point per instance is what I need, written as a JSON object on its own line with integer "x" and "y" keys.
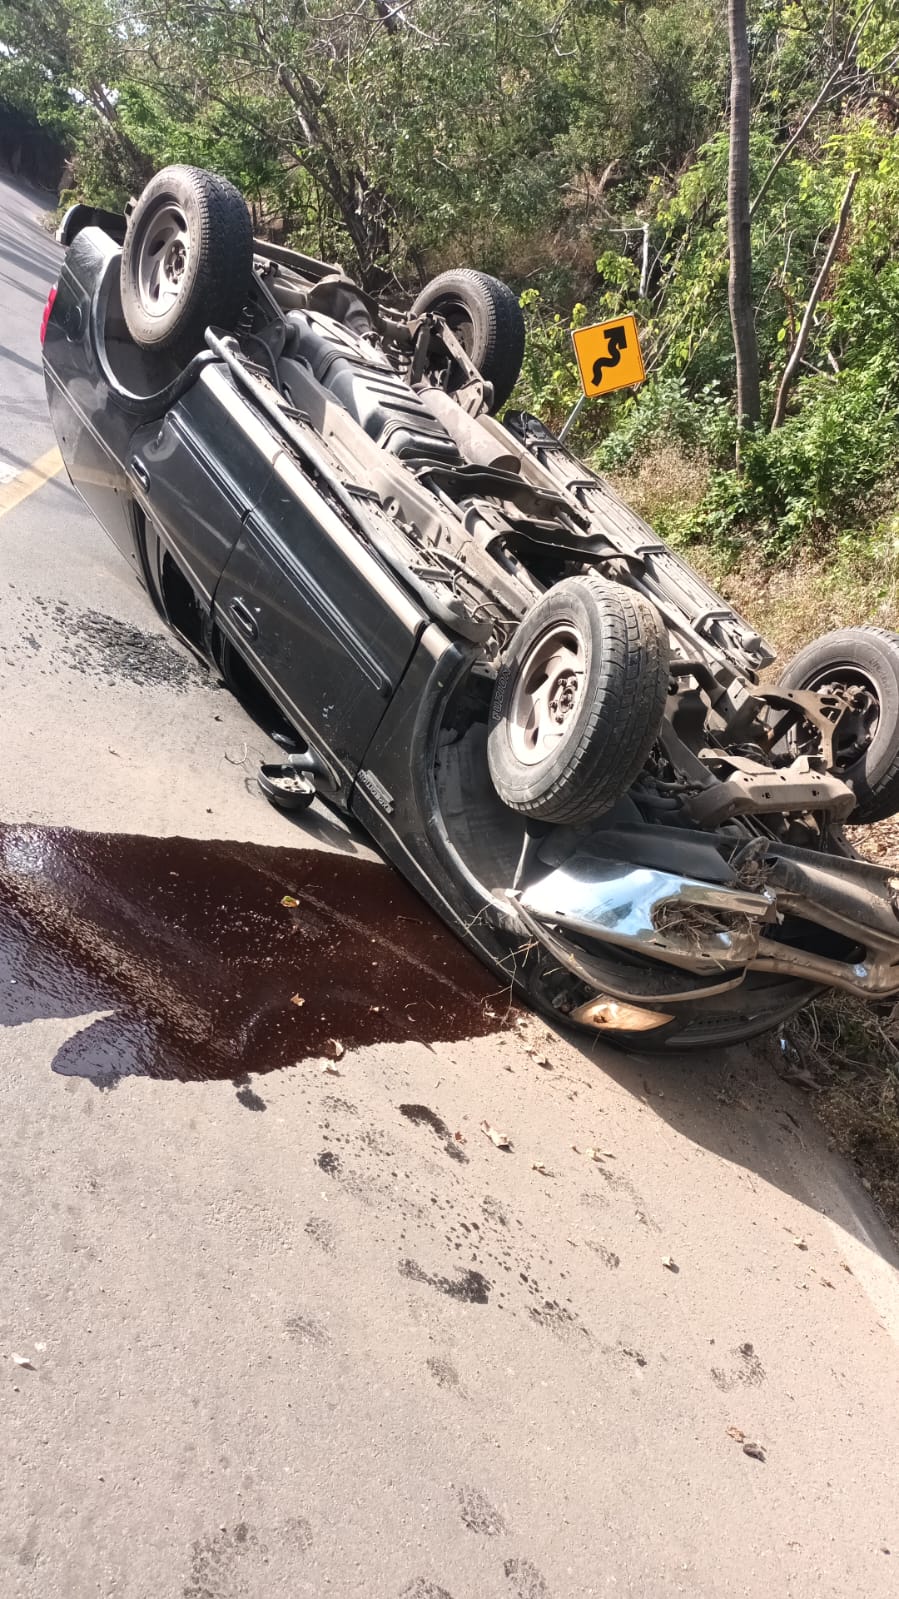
{"x": 587, "y": 763}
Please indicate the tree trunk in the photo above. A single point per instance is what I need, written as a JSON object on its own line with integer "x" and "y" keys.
{"x": 739, "y": 283}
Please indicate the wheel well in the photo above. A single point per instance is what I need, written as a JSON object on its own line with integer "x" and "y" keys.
{"x": 183, "y": 608}
{"x": 253, "y": 695}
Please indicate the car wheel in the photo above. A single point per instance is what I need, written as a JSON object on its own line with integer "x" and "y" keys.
{"x": 187, "y": 261}
{"x": 486, "y": 318}
{"x": 579, "y": 701}
{"x": 856, "y": 669}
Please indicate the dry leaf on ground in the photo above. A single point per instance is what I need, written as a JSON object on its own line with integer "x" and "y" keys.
{"x": 755, "y": 1450}
{"x": 289, "y": 902}
{"x": 669, "y": 1263}
{"x": 736, "y": 1434}
{"x": 501, "y": 1140}
{"x": 297, "y": 999}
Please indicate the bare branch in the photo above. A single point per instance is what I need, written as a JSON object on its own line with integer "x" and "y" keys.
{"x": 805, "y": 327}
{"x": 791, "y": 143}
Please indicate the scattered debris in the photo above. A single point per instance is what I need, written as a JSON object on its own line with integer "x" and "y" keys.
{"x": 826, "y": 1282}
{"x": 501, "y": 1140}
{"x": 736, "y": 1434}
{"x": 459, "y": 1138}
{"x": 599, "y": 1154}
{"x": 23, "y": 1360}
{"x": 337, "y": 1047}
{"x": 756, "y": 1451}
{"x": 329, "y": 1067}
{"x": 289, "y": 902}
{"x": 800, "y": 1243}
{"x": 544, "y": 1171}
{"x": 540, "y": 1060}
{"x": 633, "y": 1354}
{"x": 297, "y": 999}
{"x": 670, "y": 1264}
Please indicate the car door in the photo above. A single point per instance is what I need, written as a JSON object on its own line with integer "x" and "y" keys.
{"x": 328, "y": 629}
{"x": 198, "y": 471}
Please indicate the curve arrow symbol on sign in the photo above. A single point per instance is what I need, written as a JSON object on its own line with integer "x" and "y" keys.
{"x": 616, "y": 341}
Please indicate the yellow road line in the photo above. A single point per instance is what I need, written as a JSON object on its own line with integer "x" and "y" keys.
{"x": 30, "y": 478}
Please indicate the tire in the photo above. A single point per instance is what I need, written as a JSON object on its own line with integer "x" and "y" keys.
{"x": 486, "y": 318}
{"x": 560, "y": 750}
{"x": 867, "y": 750}
{"x": 187, "y": 261}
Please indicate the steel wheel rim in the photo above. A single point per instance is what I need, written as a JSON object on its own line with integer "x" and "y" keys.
{"x": 457, "y": 317}
{"x": 547, "y": 694}
{"x": 858, "y": 726}
{"x": 162, "y": 258}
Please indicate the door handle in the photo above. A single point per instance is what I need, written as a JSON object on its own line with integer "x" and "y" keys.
{"x": 244, "y": 618}
{"x": 140, "y": 472}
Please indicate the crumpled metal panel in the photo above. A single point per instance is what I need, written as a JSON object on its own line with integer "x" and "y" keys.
{"x": 662, "y": 914}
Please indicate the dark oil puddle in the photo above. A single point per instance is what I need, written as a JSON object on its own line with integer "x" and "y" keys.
{"x": 206, "y": 973}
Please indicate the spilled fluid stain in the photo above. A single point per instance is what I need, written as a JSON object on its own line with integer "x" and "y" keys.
{"x": 198, "y": 966}
{"x": 471, "y": 1287}
{"x": 422, "y": 1116}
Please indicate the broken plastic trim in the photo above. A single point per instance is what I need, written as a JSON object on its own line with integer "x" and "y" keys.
{"x": 617, "y": 1016}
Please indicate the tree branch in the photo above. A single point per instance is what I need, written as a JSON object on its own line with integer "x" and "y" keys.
{"x": 805, "y": 327}
{"x": 794, "y": 140}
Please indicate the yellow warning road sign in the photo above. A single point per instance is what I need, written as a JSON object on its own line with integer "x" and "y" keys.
{"x": 608, "y": 355}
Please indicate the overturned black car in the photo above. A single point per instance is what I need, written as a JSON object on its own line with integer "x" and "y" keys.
{"x": 549, "y": 724}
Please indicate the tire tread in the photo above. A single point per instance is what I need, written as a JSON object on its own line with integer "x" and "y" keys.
{"x": 504, "y": 336}
{"x": 224, "y": 261}
{"x": 627, "y": 710}
{"x": 879, "y": 800}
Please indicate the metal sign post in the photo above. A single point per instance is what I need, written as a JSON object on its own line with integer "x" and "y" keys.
{"x": 572, "y": 417}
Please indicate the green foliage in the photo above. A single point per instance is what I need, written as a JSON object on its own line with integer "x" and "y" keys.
{"x": 549, "y": 384}
{"x": 578, "y": 150}
{"x": 665, "y": 412}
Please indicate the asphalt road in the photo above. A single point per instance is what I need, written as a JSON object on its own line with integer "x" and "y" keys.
{"x": 288, "y": 1334}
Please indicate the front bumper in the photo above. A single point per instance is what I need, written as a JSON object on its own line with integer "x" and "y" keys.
{"x": 778, "y": 913}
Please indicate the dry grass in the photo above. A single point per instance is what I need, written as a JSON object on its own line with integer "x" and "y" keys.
{"x": 847, "y": 1055}
{"x": 856, "y": 580}
{"x": 669, "y": 478}
{"x": 796, "y": 603}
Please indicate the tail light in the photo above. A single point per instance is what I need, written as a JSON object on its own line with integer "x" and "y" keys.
{"x": 47, "y": 309}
